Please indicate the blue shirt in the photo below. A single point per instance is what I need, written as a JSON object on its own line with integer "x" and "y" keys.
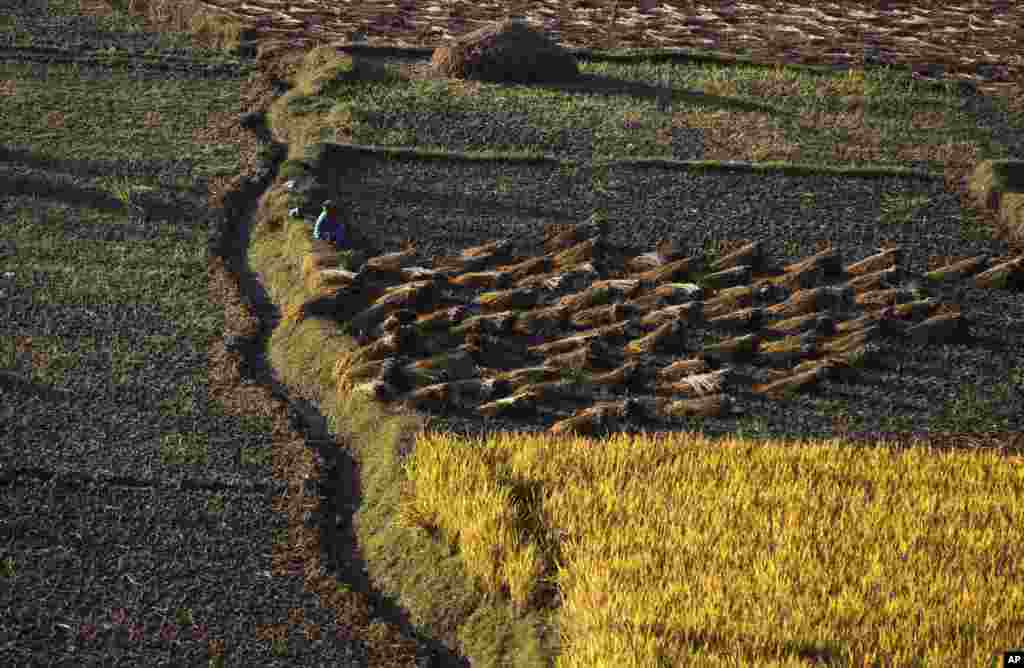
{"x": 329, "y": 228}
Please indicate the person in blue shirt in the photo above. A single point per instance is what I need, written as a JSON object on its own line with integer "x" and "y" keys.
{"x": 329, "y": 227}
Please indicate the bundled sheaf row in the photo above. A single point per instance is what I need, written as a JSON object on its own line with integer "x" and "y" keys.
{"x": 593, "y": 338}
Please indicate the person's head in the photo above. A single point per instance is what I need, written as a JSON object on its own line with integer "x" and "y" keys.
{"x": 329, "y": 206}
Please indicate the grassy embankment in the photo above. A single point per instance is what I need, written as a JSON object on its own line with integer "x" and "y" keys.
{"x": 670, "y": 551}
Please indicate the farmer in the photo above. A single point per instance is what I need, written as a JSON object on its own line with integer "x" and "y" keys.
{"x": 328, "y": 227}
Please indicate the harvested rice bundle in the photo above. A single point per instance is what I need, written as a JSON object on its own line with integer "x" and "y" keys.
{"x": 592, "y": 421}
{"x": 497, "y": 248}
{"x": 520, "y": 404}
{"x": 457, "y": 365}
{"x": 889, "y": 257}
{"x": 1002, "y": 275}
{"x": 743, "y": 319}
{"x": 645, "y": 262}
{"x": 401, "y": 342}
{"x": 592, "y": 355}
{"x": 593, "y": 296}
{"x": 487, "y": 280}
{"x": 502, "y": 300}
{"x": 494, "y": 324}
{"x": 714, "y": 405}
{"x": 729, "y": 300}
{"x": 876, "y": 280}
{"x": 728, "y": 278}
{"x": 412, "y": 296}
{"x": 819, "y": 321}
{"x": 574, "y": 235}
{"x": 690, "y": 313}
{"x": 458, "y": 395}
{"x": 751, "y": 254}
{"x": 682, "y": 368}
{"x": 680, "y": 292}
{"x": 958, "y": 270}
{"x": 852, "y": 340}
{"x": 528, "y": 267}
{"x": 697, "y": 385}
{"x": 892, "y": 319}
{"x": 542, "y": 321}
{"x": 560, "y": 390}
{"x": 669, "y": 337}
{"x": 630, "y": 374}
{"x": 603, "y": 315}
{"x": 880, "y": 298}
{"x": 837, "y": 366}
{"x": 608, "y": 333}
{"x": 808, "y": 301}
{"x": 441, "y": 319}
{"x": 331, "y": 278}
{"x": 735, "y": 349}
{"x": 414, "y": 274}
{"x": 530, "y": 375}
{"x": 666, "y": 252}
{"x": 673, "y": 271}
{"x": 829, "y": 260}
{"x": 778, "y": 389}
{"x": 621, "y": 288}
{"x": 943, "y": 328}
{"x": 805, "y": 277}
{"x": 572, "y": 278}
{"x": 582, "y": 252}
{"x": 788, "y": 349}
{"x": 392, "y": 262}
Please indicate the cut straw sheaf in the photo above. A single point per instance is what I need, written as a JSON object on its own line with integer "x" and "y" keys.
{"x": 882, "y": 279}
{"x": 742, "y": 320}
{"x": 458, "y": 395}
{"x": 603, "y": 315}
{"x": 728, "y": 278}
{"x": 958, "y": 271}
{"x": 792, "y": 383}
{"x": 503, "y": 300}
{"x": 518, "y": 378}
{"x": 493, "y": 324}
{"x": 529, "y": 267}
{"x": 542, "y": 321}
{"x": 698, "y": 385}
{"x": 391, "y": 262}
{"x": 788, "y": 349}
{"x": 520, "y": 405}
{"x": 672, "y": 271}
{"x": 483, "y": 280}
{"x": 682, "y": 368}
{"x": 690, "y": 314}
{"x": 592, "y": 355}
{"x": 588, "y": 422}
{"x": 886, "y": 258}
{"x": 1002, "y": 275}
{"x": 808, "y": 301}
{"x": 631, "y": 374}
{"x": 575, "y": 234}
{"x": 736, "y": 349}
{"x": 715, "y": 405}
{"x": 940, "y": 329}
{"x": 729, "y": 300}
{"x": 751, "y": 255}
{"x": 669, "y": 337}
{"x": 821, "y": 322}
{"x": 875, "y": 299}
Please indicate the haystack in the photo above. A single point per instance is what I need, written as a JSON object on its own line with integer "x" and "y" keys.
{"x": 506, "y": 51}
